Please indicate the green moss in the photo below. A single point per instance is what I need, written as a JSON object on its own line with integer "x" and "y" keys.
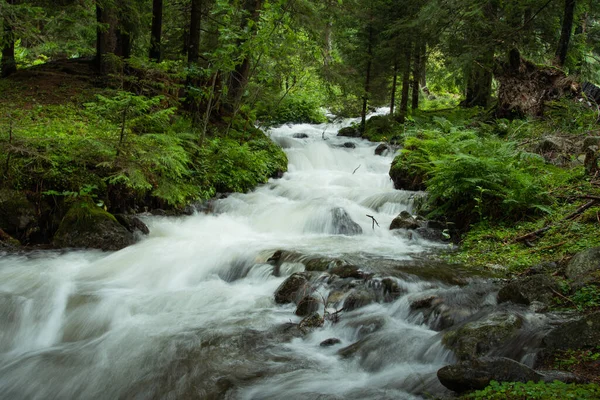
{"x": 535, "y": 391}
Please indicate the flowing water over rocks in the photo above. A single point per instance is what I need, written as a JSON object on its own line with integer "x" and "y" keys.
{"x": 190, "y": 311}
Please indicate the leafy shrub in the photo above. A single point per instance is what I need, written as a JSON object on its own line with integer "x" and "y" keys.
{"x": 292, "y": 109}
{"x": 471, "y": 177}
{"x": 535, "y": 391}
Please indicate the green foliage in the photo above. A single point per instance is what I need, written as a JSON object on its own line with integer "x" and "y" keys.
{"x": 584, "y": 298}
{"x": 380, "y": 128}
{"x": 473, "y": 177}
{"x": 293, "y": 109}
{"x": 531, "y": 391}
{"x": 569, "y": 360}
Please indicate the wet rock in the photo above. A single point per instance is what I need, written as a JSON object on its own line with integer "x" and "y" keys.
{"x": 357, "y": 299}
{"x": 348, "y": 271}
{"x": 476, "y": 338}
{"x": 293, "y": 288}
{"x": 404, "y": 221}
{"x": 307, "y": 306}
{"x": 562, "y": 376}
{"x": 335, "y": 298}
{"x": 323, "y": 263}
{"x": 434, "y": 235}
{"x": 391, "y": 290}
{"x": 580, "y": 334}
{"x": 477, "y": 374}
{"x": 404, "y": 179}
{"x": 132, "y": 223}
{"x": 349, "y": 131}
{"x": 300, "y": 135}
{"x": 7, "y": 242}
{"x": 313, "y": 321}
{"x": 382, "y": 149}
{"x": 343, "y": 224}
{"x": 281, "y": 257}
{"x": 87, "y": 226}
{"x": 349, "y": 145}
{"x": 585, "y": 266}
{"x": 330, "y": 342}
{"x": 526, "y": 290}
{"x": 17, "y": 214}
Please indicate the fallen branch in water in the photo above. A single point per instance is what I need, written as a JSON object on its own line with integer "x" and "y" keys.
{"x": 570, "y": 217}
{"x": 356, "y": 169}
{"x": 374, "y": 221}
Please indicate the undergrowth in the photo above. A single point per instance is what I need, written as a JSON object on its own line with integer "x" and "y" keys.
{"x": 535, "y": 391}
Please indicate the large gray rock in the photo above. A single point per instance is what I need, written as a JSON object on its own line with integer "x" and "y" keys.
{"x": 349, "y": 131}
{"x": 580, "y": 334}
{"x": 17, "y": 213}
{"x": 358, "y": 298}
{"x": 87, "y": 226}
{"x": 404, "y": 221}
{"x": 477, "y": 374}
{"x": 477, "y": 338}
{"x": 529, "y": 289}
{"x": 343, "y": 224}
{"x": 292, "y": 289}
{"x": 585, "y": 266}
{"x": 308, "y": 305}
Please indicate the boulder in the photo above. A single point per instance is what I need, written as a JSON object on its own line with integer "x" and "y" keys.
{"x": 343, "y": 224}
{"x": 404, "y": 178}
{"x": 348, "y": 271}
{"x": 88, "y": 226}
{"x": 349, "y": 145}
{"x": 404, "y": 221}
{"x": 330, "y": 342}
{"x": 313, "y": 321}
{"x": 300, "y": 135}
{"x": 349, "y": 131}
{"x": 552, "y": 144}
{"x": 382, "y": 149}
{"x": 17, "y": 213}
{"x": 292, "y": 289}
{"x": 357, "y": 299}
{"x": 476, "y": 338}
{"x": 585, "y": 266}
{"x": 132, "y": 223}
{"x": 477, "y": 374}
{"x": 308, "y": 305}
{"x": 579, "y": 334}
{"x": 529, "y": 289}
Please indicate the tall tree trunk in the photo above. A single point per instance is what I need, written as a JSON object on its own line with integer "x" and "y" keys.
{"x": 8, "y": 65}
{"x": 155, "y": 36}
{"x": 405, "y": 85}
{"x": 108, "y": 36}
{"x": 416, "y": 75}
{"x": 194, "y": 38}
{"x": 241, "y": 74}
{"x": 123, "y": 44}
{"x": 394, "y": 87}
{"x": 565, "y": 34}
{"x": 100, "y": 42}
{"x": 479, "y": 81}
{"x": 363, "y": 114}
{"x": 423, "y": 64}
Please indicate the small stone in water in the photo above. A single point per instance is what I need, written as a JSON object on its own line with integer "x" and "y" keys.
{"x": 330, "y": 342}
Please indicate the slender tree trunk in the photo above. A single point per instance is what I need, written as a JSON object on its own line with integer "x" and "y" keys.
{"x": 423, "y": 64}
{"x": 363, "y": 114}
{"x": 405, "y": 84}
{"x": 9, "y": 64}
{"x": 100, "y": 41}
{"x": 565, "y": 34}
{"x": 194, "y": 38}
{"x": 394, "y": 87}
{"x": 155, "y": 36}
{"x": 416, "y": 75}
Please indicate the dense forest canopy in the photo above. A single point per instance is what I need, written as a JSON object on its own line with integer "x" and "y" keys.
{"x": 258, "y": 56}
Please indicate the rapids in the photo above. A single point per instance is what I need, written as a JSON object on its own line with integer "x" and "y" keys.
{"x": 188, "y": 312}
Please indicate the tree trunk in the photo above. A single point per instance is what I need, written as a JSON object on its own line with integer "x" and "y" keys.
{"x": 100, "y": 42}
{"x": 155, "y": 36}
{"x": 416, "y": 75}
{"x": 423, "y": 64}
{"x": 241, "y": 75}
{"x": 405, "y": 85}
{"x": 194, "y": 38}
{"x": 123, "y": 44}
{"x": 108, "y": 38}
{"x": 479, "y": 81}
{"x": 565, "y": 34}
{"x": 9, "y": 64}
{"x": 394, "y": 87}
{"x": 363, "y": 114}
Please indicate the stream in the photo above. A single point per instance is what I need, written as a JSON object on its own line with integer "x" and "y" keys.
{"x": 189, "y": 311}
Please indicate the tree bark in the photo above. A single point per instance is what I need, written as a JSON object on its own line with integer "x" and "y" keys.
{"x": 479, "y": 81}
{"x": 363, "y": 114}
{"x": 405, "y": 85}
{"x": 565, "y": 34}
{"x": 9, "y": 64}
{"x": 156, "y": 33}
{"x": 394, "y": 87}
{"x": 416, "y": 75}
{"x": 194, "y": 38}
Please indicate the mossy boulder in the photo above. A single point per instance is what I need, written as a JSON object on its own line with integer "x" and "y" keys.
{"x": 293, "y": 288}
{"x": 358, "y": 298}
{"x": 17, "y": 213}
{"x": 476, "y": 338}
{"x": 406, "y": 178}
{"x": 585, "y": 266}
{"x": 583, "y": 333}
{"x": 87, "y": 226}
{"x": 529, "y": 289}
{"x": 405, "y": 221}
{"x": 477, "y": 374}
{"x": 349, "y": 131}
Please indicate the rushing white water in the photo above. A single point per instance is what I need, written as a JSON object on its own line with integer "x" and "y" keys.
{"x": 188, "y": 312}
